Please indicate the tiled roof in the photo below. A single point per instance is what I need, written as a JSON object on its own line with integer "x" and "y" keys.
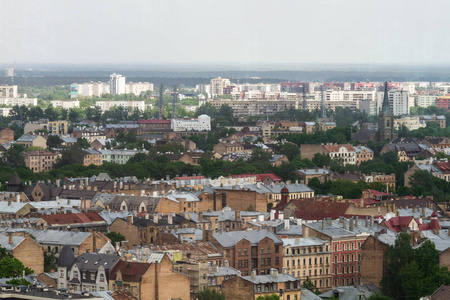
{"x": 442, "y": 293}
{"x": 66, "y": 219}
{"x": 154, "y": 121}
{"x": 229, "y": 239}
{"x": 335, "y": 148}
{"x": 318, "y": 210}
{"x": 131, "y": 271}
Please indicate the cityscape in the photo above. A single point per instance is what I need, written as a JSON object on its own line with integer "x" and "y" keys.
{"x": 194, "y": 150}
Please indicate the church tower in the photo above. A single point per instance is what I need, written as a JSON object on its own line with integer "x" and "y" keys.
{"x": 386, "y": 119}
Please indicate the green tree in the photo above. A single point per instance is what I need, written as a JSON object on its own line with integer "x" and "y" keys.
{"x": 309, "y": 285}
{"x": 13, "y": 158}
{"x": 291, "y": 150}
{"x": 115, "y": 237}
{"x": 54, "y": 141}
{"x": 51, "y": 114}
{"x": 12, "y": 267}
{"x": 259, "y": 155}
{"x": 70, "y": 155}
{"x": 321, "y": 160}
{"x": 83, "y": 143}
{"x": 50, "y": 261}
{"x": 269, "y": 297}
{"x": 17, "y": 281}
{"x": 209, "y": 294}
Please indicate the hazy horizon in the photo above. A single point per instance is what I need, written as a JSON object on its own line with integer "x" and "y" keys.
{"x": 240, "y": 33}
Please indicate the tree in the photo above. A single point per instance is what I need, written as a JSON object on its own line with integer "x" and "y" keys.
{"x": 321, "y": 160}
{"x": 309, "y": 285}
{"x": 115, "y": 237}
{"x": 209, "y": 294}
{"x": 51, "y": 114}
{"x": 13, "y": 158}
{"x": 50, "y": 261}
{"x": 71, "y": 155}
{"x": 12, "y": 267}
{"x": 54, "y": 141}
{"x": 291, "y": 150}
{"x": 259, "y": 155}
{"x": 83, "y": 143}
{"x": 269, "y": 297}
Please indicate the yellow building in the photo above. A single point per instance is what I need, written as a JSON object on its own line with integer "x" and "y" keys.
{"x": 308, "y": 257}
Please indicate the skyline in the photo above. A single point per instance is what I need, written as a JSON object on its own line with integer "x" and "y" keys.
{"x": 241, "y": 33}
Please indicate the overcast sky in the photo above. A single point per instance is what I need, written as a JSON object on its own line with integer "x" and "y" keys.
{"x": 238, "y": 31}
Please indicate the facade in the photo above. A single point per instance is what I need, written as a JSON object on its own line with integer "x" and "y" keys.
{"x": 25, "y": 249}
{"x": 154, "y": 125}
{"x": 39, "y": 161}
{"x": 255, "y": 107}
{"x": 345, "y": 153}
{"x": 426, "y": 100}
{"x": 150, "y": 280}
{"x": 8, "y": 91}
{"x": 399, "y": 101}
{"x": 52, "y": 127}
{"x": 443, "y": 101}
{"x": 66, "y": 104}
{"x": 309, "y": 257}
{"x": 202, "y": 123}
{"x": 363, "y": 154}
{"x": 254, "y": 286}
{"x": 119, "y": 156}
{"x": 137, "y": 88}
{"x": 116, "y": 84}
{"x": 87, "y": 272}
{"x": 129, "y": 104}
{"x": 6, "y": 135}
{"x": 228, "y": 148}
{"x": 18, "y": 101}
{"x": 92, "y": 157}
{"x": 218, "y": 84}
{"x": 410, "y": 122}
{"x": 259, "y": 250}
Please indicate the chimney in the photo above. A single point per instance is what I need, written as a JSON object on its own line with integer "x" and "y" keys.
{"x": 253, "y": 274}
{"x": 287, "y": 224}
{"x": 323, "y": 224}
{"x": 372, "y": 219}
{"x": 344, "y": 223}
{"x": 367, "y": 221}
{"x": 272, "y": 214}
{"x": 274, "y": 272}
{"x": 238, "y": 274}
{"x": 352, "y": 226}
{"x": 226, "y": 263}
{"x": 237, "y": 215}
{"x": 9, "y": 202}
{"x": 423, "y": 211}
{"x": 18, "y": 198}
{"x": 299, "y": 222}
{"x": 361, "y": 202}
{"x": 356, "y": 221}
{"x": 281, "y": 216}
{"x": 88, "y": 250}
{"x": 130, "y": 220}
{"x": 170, "y": 218}
{"x": 284, "y": 270}
{"x": 155, "y": 218}
{"x": 200, "y": 216}
{"x": 139, "y": 252}
{"x": 10, "y": 238}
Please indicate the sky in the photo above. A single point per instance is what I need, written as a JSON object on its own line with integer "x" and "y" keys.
{"x": 369, "y": 32}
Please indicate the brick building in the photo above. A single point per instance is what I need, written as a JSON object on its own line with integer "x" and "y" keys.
{"x": 150, "y": 280}
{"x": 92, "y": 157}
{"x": 39, "y": 161}
{"x": 346, "y": 238}
{"x": 254, "y": 286}
{"x": 6, "y": 135}
{"x": 25, "y": 249}
{"x": 228, "y": 148}
{"x": 258, "y": 250}
{"x": 154, "y": 125}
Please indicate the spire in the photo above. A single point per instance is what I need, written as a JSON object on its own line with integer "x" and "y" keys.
{"x": 386, "y": 109}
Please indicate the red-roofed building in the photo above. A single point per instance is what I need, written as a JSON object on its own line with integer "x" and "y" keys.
{"x": 154, "y": 125}
{"x": 408, "y": 222}
{"x": 375, "y": 195}
{"x": 78, "y": 221}
{"x": 266, "y": 178}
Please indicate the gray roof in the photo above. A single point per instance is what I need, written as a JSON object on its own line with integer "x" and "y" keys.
{"x": 224, "y": 271}
{"x": 313, "y": 241}
{"x": 92, "y": 261}
{"x": 68, "y": 139}
{"x": 103, "y": 197}
{"x": 57, "y": 237}
{"x": 111, "y": 216}
{"x": 4, "y": 241}
{"x": 27, "y": 138}
{"x": 263, "y": 279}
{"x": 318, "y": 171}
{"x": 336, "y": 229}
{"x": 351, "y": 292}
{"x": 66, "y": 257}
{"x": 229, "y": 239}
{"x": 359, "y": 149}
{"x": 11, "y": 207}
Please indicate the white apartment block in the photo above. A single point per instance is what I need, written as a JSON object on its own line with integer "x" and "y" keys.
{"x": 116, "y": 84}
{"x": 255, "y": 107}
{"x": 426, "y": 100}
{"x": 91, "y": 89}
{"x": 333, "y": 95}
{"x": 262, "y": 87}
{"x": 66, "y": 104}
{"x": 8, "y": 91}
{"x": 137, "y": 88}
{"x": 119, "y": 156}
{"x": 412, "y": 123}
{"x": 202, "y": 123}
{"x": 218, "y": 84}
{"x": 18, "y": 101}
{"x": 203, "y": 89}
{"x": 130, "y": 105}
{"x": 5, "y": 111}
{"x": 399, "y": 101}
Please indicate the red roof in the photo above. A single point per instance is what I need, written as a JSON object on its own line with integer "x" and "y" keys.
{"x": 260, "y": 177}
{"x": 399, "y": 223}
{"x": 434, "y": 214}
{"x": 444, "y": 167}
{"x": 318, "y": 210}
{"x": 66, "y": 219}
{"x": 376, "y": 193}
{"x": 153, "y": 121}
{"x": 335, "y": 148}
{"x": 131, "y": 271}
{"x": 367, "y": 201}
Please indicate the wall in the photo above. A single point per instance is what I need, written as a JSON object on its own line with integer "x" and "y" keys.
{"x": 372, "y": 261}
{"x": 31, "y": 254}
{"x": 237, "y": 289}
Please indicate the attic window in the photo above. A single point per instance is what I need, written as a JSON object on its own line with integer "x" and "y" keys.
{"x": 86, "y": 261}
{"x": 96, "y": 263}
{"x": 106, "y": 263}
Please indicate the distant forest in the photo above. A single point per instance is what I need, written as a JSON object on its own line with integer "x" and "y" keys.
{"x": 191, "y": 78}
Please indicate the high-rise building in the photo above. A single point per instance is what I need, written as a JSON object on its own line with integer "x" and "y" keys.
{"x": 9, "y": 72}
{"x": 117, "y": 84}
{"x": 399, "y": 101}
{"x": 218, "y": 84}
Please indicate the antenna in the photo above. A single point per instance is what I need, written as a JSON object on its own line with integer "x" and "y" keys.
{"x": 174, "y": 103}
{"x": 161, "y": 92}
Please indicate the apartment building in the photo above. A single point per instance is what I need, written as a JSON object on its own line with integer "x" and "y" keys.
{"x": 259, "y": 250}
{"x": 309, "y": 257}
{"x": 426, "y": 100}
{"x": 39, "y": 161}
{"x": 119, "y": 156}
{"x": 18, "y": 101}
{"x": 228, "y": 148}
{"x": 399, "y": 101}
{"x": 8, "y": 91}
{"x": 345, "y": 237}
{"x": 60, "y": 127}
{"x": 130, "y": 105}
{"x": 218, "y": 84}
{"x": 255, "y": 107}
{"x": 66, "y": 104}
{"x": 28, "y": 140}
{"x": 92, "y": 157}
{"x": 345, "y": 153}
{"x": 137, "y": 88}
{"x": 202, "y": 123}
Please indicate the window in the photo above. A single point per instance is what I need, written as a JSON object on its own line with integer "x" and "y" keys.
{"x": 245, "y": 251}
{"x": 277, "y": 261}
{"x": 75, "y": 274}
{"x": 293, "y": 262}
{"x": 239, "y": 252}
{"x": 268, "y": 249}
{"x": 287, "y": 263}
{"x": 263, "y": 262}
{"x": 240, "y": 264}
{"x": 84, "y": 275}
{"x": 262, "y": 250}
{"x": 102, "y": 277}
{"x": 277, "y": 249}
